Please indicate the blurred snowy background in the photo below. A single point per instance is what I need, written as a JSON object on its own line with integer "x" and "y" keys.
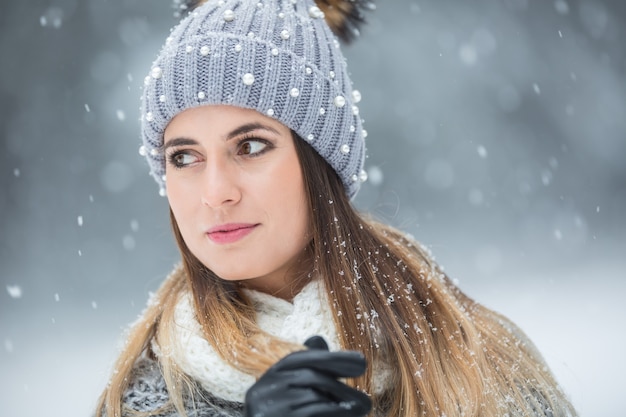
{"x": 497, "y": 136}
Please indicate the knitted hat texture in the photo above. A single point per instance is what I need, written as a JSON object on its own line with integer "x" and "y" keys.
{"x": 278, "y": 57}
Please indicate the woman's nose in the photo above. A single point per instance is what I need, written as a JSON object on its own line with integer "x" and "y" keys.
{"x": 220, "y": 185}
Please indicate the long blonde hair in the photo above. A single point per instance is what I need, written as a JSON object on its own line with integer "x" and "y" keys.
{"x": 450, "y": 355}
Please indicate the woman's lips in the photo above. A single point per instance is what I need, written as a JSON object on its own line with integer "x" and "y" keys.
{"x": 230, "y": 233}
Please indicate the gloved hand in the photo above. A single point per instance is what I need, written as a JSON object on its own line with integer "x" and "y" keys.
{"x": 305, "y": 384}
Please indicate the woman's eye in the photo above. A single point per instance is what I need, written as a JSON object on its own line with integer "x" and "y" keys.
{"x": 252, "y": 147}
{"x": 181, "y": 159}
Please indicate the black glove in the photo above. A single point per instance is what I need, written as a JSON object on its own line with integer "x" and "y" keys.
{"x": 304, "y": 384}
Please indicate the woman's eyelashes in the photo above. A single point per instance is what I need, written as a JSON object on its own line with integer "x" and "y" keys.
{"x": 181, "y": 158}
{"x": 248, "y": 147}
{"x": 252, "y": 146}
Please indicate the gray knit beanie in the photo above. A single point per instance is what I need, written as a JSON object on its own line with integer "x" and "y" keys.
{"x": 278, "y": 57}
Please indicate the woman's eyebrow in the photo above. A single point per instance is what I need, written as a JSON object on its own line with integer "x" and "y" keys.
{"x": 249, "y": 127}
{"x": 179, "y": 142}
{"x": 241, "y": 130}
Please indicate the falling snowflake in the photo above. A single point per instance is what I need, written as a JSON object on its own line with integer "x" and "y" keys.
{"x": 15, "y": 291}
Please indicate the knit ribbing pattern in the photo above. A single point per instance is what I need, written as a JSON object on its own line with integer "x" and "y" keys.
{"x": 277, "y": 57}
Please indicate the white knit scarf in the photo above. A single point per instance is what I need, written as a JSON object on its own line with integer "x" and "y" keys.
{"x": 308, "y": 315}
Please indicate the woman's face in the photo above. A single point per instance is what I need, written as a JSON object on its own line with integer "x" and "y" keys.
{"x": 236, "y": 190}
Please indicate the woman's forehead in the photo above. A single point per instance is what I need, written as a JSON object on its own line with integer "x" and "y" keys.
{"x": 221, "y": 119}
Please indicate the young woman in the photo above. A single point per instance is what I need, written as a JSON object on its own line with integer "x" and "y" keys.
{"x": 288, "y": 302}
